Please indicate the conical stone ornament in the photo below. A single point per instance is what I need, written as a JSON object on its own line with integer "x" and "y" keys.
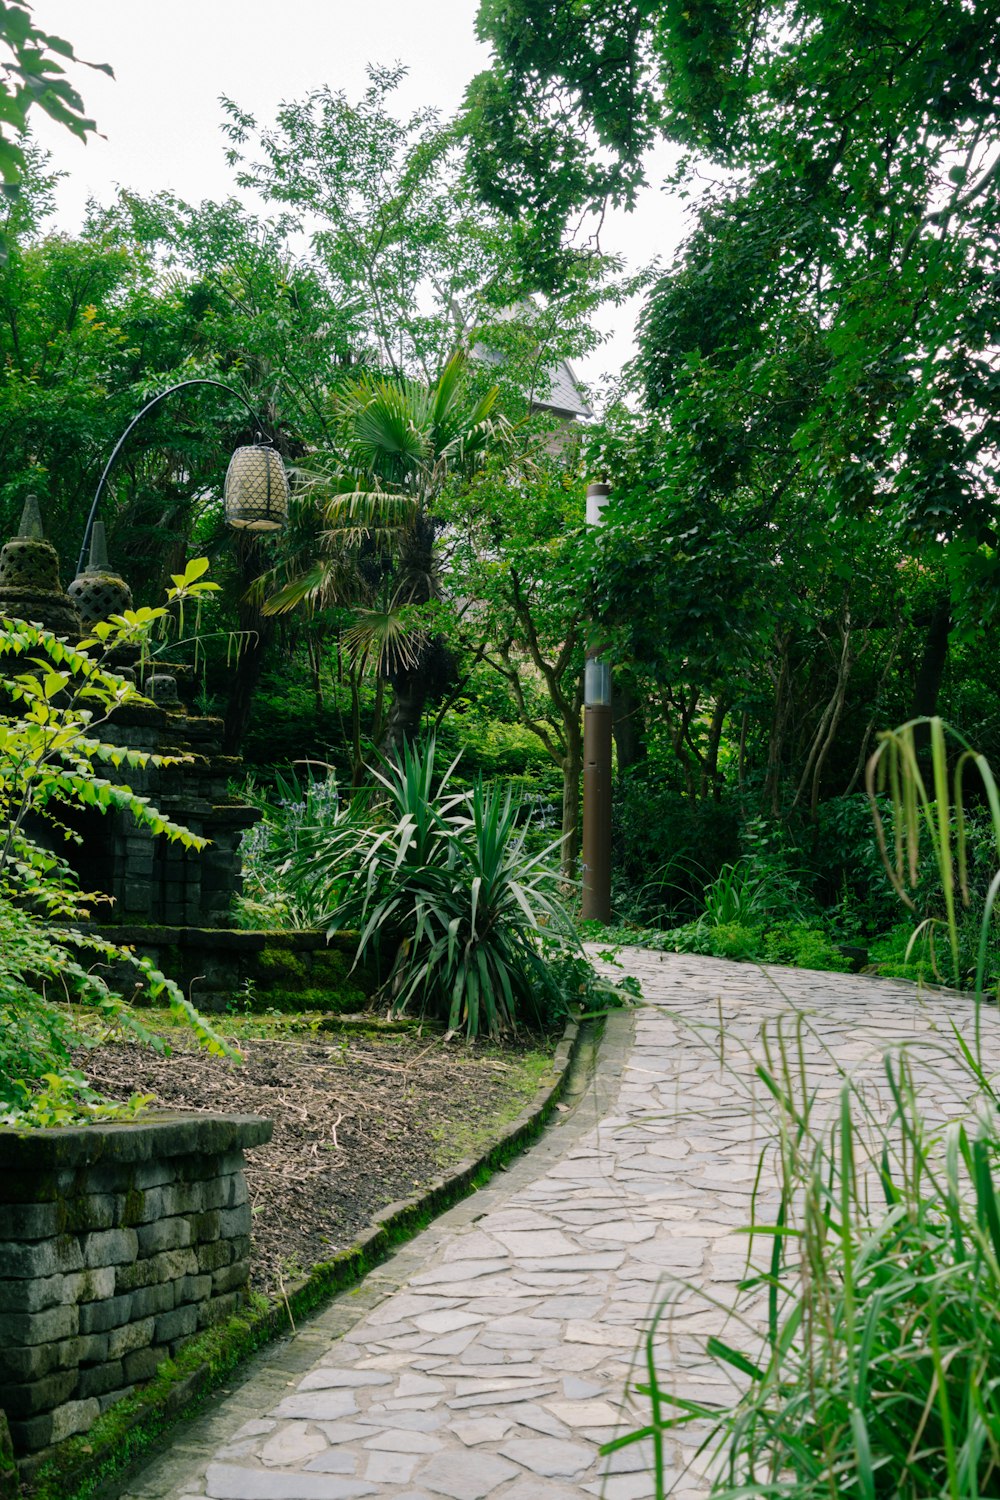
{"x": 29, "y": 578}
{"x": 98, "y": 592}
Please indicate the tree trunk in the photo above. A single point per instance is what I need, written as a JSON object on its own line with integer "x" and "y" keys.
{"x": 932, "y": 663}
{"x": 710, "y": 761}
{"x": 781, "y": 716}
{"x": 628, "y": 725}
{"x": 257, "y": 632}
{"x": 411, "y": 683}
{"x": 409, "y": 696}
{"x": 927, "y": 687}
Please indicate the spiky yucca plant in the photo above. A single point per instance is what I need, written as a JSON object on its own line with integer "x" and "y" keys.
{"x": 442, "y": 887}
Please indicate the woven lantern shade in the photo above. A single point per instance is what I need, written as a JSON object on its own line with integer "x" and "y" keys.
{"x": 256, "y": 489}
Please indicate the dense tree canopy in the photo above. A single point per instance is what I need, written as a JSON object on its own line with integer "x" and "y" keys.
{"x": 32, "y": 76}
{"x": 821, "y": 358}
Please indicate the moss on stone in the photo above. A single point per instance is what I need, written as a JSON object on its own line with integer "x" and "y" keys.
{"x": 9, "y": 1483}
{"x": 279, "y": 961}
{"x": 343, "y": 1001}
{"x": 328, "y": 964}
{"x": 134, "y": 1208}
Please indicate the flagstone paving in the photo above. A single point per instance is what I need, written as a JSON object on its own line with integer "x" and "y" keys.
{"x": 493, "y": 1355}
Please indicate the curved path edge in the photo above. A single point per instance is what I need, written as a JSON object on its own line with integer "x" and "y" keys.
{"x": 497, "y": 1354}
{"x": 222, "y": 1366}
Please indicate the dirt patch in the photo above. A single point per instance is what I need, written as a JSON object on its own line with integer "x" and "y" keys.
{"x": 358, "y": 1123}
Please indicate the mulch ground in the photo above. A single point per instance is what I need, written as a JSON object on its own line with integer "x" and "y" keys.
{"x": 358, "y": 1123}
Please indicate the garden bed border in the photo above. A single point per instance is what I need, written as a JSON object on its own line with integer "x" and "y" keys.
{"x": 95, "y": 1464}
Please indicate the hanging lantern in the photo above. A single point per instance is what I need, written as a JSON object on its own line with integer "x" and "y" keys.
{"x": 256, "y": 489}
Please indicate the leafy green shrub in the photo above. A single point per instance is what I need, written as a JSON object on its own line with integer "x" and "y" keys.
{"x": 845, "y": 853}
{"x": 748, "y": 893}
{"x": 51, "y": 758}
{"x": 442, "y": 887}
{"x": 804, "y": 947}
{"x": 667, "y": 847}
{"x": 279, "y": 888}
{"x": 724, "y": 940}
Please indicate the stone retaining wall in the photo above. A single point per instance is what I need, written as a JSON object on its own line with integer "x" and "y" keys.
{"x": 117, "y": 1243}
{"x": 243, "y": 972}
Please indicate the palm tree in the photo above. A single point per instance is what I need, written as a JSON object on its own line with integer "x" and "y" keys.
{"x": 400, "y": 443}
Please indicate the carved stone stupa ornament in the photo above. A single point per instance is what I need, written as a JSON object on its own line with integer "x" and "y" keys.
{"x": 98, "y": 592}
{"x": 29, "y": 578}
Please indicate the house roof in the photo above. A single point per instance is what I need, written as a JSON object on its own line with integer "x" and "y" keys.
{"x": 564, "y": 395}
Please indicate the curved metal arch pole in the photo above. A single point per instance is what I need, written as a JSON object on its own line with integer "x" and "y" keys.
{"x": 181, "y": 386}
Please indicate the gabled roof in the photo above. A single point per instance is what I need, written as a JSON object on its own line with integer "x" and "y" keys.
{"x": 564, "y": 395}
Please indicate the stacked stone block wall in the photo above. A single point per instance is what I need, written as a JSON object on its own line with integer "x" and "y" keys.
{"x": 149, "y": 878}
{"x": 117, "y": 1243}
{"x": 250, "y": 972}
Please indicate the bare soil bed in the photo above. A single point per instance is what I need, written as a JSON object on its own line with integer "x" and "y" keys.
{"x": 359, "y": 1121}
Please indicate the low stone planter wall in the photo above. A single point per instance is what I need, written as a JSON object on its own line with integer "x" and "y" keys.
{"x": 225, "y": 969}
{"x": 117, "y": 1242}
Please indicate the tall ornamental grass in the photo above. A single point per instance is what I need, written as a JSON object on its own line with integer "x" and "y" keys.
{"x": 876, "y": 1375}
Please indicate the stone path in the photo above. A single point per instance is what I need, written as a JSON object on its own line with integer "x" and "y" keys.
{"x": 490, "y": 1358}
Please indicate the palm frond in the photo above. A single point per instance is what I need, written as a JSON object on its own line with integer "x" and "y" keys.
{"x": 384, "y": 640}
{"x": 370, "y": 511}
{"x": 330, "y": 580}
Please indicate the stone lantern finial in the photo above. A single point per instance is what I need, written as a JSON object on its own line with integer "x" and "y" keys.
{"x": 29, "y": 578}
{"x": 31, "y": 520}
{"x": 98, "y": 592}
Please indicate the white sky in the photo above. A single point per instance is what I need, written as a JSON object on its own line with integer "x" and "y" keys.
{"x": 160, "y": 116}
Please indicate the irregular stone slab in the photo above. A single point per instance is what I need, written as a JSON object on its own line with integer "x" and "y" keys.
{"x": 586, "y": 1261}
{"x": 318, "y": 1406}
{"x": 533, "y": 1416}
{"x": 325, "y": 1378}
{"x": 541, "y": 1489}
{"x": 570, "y": 1307}
{"x": 625, "y": 1487}
{"x": 401, "y": 1441}
{"x": 391, "y": 1468}
{"x": 418, "y": 1385}
{"x": 295, "y": 1443}
{"x": 464, "y": 1475}
{"x": 401, "y": 1308}
{"x": 531, "y": 1244}
{"x": 334, "y": 1461}
{"x": 228, "y": 1482}
{"x": 474, "y": 1246}
{"x": 344, "y": 1432}
{"x": 550, "y": 1457}
{"x": 448, "y": 1322}
{"x": 255, "y": 1428}
{"x": 578, "y": 1390}
{"x": 622, "y": 1234}
{"x": 498, "y": 1398}
{"x": 579, "y": 1332}
{"x": 481, "y": 1430}
{"x": 452, "y": 1343}
{"x": 463, "y": 1270}
{"x": 585, "y": 1413}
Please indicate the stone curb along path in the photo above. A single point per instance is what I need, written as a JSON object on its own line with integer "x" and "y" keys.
{"x": 492, "y": 1356}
